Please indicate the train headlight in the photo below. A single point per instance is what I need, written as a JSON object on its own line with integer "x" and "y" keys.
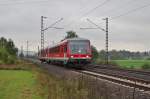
{"x": 87, "y": 56}
{"x": 71, "y": 56}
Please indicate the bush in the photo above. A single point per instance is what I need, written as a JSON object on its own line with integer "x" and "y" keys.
{"x": 146, "y": 66}
{"x": 148, "y": 58}
{"x": 6, "y": 58}
{"x": 3, "y": 55}
{"x": 1, "y": 62}
{"x": 11, "y": 60}
{"x": 131, "y": 67}
{"x": 99, "y": 61}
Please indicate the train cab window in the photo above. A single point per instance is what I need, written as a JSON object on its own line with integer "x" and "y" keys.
{"x": 79, "y": 47}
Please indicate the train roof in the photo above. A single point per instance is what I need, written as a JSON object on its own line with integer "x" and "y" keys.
{"x": 76, "y": 38}
{"x": 66, "y": 40}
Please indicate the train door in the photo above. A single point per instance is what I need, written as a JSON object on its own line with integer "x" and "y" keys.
{"x": 65, "y": 51}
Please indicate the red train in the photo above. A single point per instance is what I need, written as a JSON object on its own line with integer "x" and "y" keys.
{"x": 69, "y": 51}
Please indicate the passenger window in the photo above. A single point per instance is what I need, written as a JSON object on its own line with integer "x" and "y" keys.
{"x": 65, "y": 49}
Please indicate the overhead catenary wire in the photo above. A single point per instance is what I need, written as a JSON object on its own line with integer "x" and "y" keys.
{"x": 90, "y": 11}
{"x": 23, "y": 2}
{"x": 120, "y": 15}
{"x": 51, "y": 26}
{"x": 130, "y": 11}
{"x": 121, "y": 6}
{"x": 95, "y": 25}
{"x": 98, "y": 6}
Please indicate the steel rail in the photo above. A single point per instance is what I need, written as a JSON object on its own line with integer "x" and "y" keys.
{"x": 143, "y": 72}
{"x": 133, "y": 82}
{"x": 119, "y": 80}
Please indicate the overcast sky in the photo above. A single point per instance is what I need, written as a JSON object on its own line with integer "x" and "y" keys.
{"x": 129, "y": 24}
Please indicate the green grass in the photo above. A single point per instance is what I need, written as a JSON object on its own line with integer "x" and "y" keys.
{"x": 132, "y": 63}
{"x": 18, "y": 84}
{"x": 63, "y": 87}
{"x": 31, "y": 82}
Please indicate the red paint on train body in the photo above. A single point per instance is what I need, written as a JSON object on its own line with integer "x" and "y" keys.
{"x": 74, "y": 51}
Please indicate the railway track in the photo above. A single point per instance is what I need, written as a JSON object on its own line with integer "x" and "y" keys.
{"x": 143, "y": 72}
{"x": 131, "y": 78}
{"x": 118, "y": 80}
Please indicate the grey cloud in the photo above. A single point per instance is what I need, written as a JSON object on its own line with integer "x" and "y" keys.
{"x": 21, "y": 22}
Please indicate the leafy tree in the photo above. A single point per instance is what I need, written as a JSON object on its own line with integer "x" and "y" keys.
{"x": 95, "y": 53}
{"x": 102, "y": 54}
{"x": 3, "y": 55}
{"x": 71, "y": 34}
{"x": 8, "y": 51}
{"x": 3, "y": 42}
{"x": 11, "y": 47}
{"x": 124, "y": 54}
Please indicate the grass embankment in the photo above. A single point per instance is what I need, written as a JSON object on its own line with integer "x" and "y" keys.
{"x": 19, "y": 81}
{"x": 27, "y": 81}
{"x": 17, "y": 84}
{"x": 63, "y": 88}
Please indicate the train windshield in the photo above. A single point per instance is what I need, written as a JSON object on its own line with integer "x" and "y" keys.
{"x": 79, "y": 47}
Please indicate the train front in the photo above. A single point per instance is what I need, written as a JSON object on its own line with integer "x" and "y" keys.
{"x": 79, "y": 51}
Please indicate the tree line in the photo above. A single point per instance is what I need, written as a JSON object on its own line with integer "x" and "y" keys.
{"x": 124, "y": 54}
{"x": 8, "y": 51}
{"x": 113, "y": 54}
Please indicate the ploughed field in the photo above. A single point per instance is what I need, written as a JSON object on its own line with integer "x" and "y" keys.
{"x": 133, "y": 63}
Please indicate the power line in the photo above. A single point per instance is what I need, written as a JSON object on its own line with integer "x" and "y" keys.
{"x": 93, "y": 9}
{"x": 22, "y": 2}
{"x": 44, "y": 29}
{"x": 95, "y": 25}
{"x": 120, "y": 6}
{"x": 106, "y": 42}
{"x": 90, "y": 11}
{"x": 118, "y": 16}
{"x": 130, "y": 11}
{"x": 51, "y": 26}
